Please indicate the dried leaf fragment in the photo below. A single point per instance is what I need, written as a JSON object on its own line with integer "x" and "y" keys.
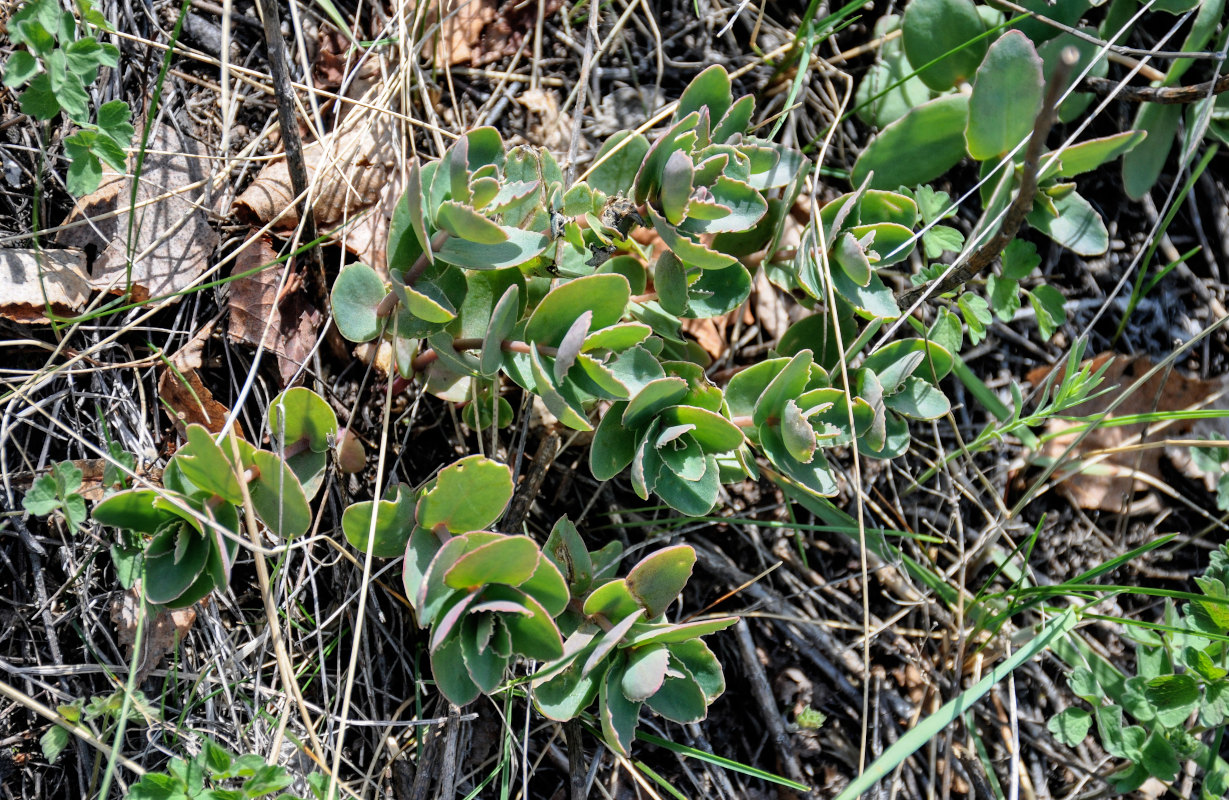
{"x": 263, "y": 309}
{"x": 185, "y": 396}
{"x": 172, "y": 240}
{"x": 1109, "y": 461}
{"x": 162, "y": 633}
{"x": 32, "y": 280}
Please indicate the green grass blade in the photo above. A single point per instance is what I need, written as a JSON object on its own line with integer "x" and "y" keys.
{"x": 726, "y": 763}
{"x": 930, "y": 727}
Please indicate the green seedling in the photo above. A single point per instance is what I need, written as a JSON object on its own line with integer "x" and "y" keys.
{"x": 58, "y": 491}
{"x": 61, "y": 59}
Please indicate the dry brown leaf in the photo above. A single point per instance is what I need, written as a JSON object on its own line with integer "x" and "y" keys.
{"x": 709, "y": 332}
{"x": 353, "y": 171}
{"x": 183, "y": 393}
{"x": 31, "y": 280}
{"x": 769, "y": 305}
{"x": 172, "y": 240}
{"x": 551, "y": 129}
{"x": 162, "y": 633}
{"x": 1121, "y": 468}
{"x": 292, "y": 321}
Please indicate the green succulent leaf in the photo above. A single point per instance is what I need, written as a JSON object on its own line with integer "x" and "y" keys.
{"x": 393, "y": 525}
{"x": 174, "y": 561}
{"x": 680, "y": 699}
{"x": 356, "y": 293}
{"x": 659, "y": 578}
{"x": 604, "y": 294}
{"x": 618, "y": 161}
{"x": 507, "y": 560}
{"x": 619, "y": 715}
{"x": 1077, "y": 226}
{"x": 451, "y": 673}
{"x": 704, "y": 667}
{"x": 468, "y": 495}
{"x": 918, "y": 147}
{"x": 205, "y": 464}
{"x": 1006, "y": 97}
{"x": 277, "y": 496}
{"x": 520, "y": 247}
{"x": 645, "y": 672}
{"x": 613, "y": 445}
{"x": 948, "y": 31}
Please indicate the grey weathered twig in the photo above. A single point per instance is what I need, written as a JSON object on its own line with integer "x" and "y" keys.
{"x": 293, "y": 143}
{"x": 1020, "y": 206}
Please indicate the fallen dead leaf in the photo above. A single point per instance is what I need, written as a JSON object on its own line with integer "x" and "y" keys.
{"x": 353, "y": 171}
{"x": 172, "y": 240}
{"x": 31, "y": 281}
{"x": 185, "y": 396}
{"x": 551, "y": 129}
{"x": 290, "y": 319}
{"x": 161, "y": 635}
{"x": 1109, "y": 461}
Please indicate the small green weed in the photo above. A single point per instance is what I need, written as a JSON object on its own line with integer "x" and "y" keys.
{"x": 61, "y": 60}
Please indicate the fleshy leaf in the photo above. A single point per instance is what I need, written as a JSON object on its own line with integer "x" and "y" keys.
{"x": 645, "y": 672}
{"x": 1006, "y": 97}
{"x": 508, "y": 560}
{"x": 356, "y": 293}
{"x": 468, "y": 495}
{"x": 659, "y": 578}
{"x": 394, "y": 521}
{"x": 918, "y": 147}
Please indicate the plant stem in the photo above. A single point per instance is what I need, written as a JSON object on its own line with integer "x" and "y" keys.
{"x": 957, "y": 276}
{"x": 423, "y": 360}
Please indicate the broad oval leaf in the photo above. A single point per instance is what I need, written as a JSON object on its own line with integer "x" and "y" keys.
{"x": 468, "y": 495}
{"x": 947, "y": 30}
{"x": 464, "y": 222}
{"x": 645, "y": 672}
{"x": 1006, "y": 97}
{"x": 393, "y": 524}
{"x": 918, "y": 147}
{"x": 356, "y": 293}
{"x": 605, "y": 294}
{"x": 659, "y": 578}
{"x": 507, "y": 560}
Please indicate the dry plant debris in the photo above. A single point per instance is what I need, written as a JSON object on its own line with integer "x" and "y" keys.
{"x": 171, "y": 238}
{"x": 185, "y": 397}
{"x": 264, "y": 310}
{"x": 35, "y": 280}
{"x": 1116, "y": 462}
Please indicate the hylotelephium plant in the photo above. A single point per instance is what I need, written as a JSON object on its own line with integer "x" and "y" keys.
{"x": 499, "y": 272}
